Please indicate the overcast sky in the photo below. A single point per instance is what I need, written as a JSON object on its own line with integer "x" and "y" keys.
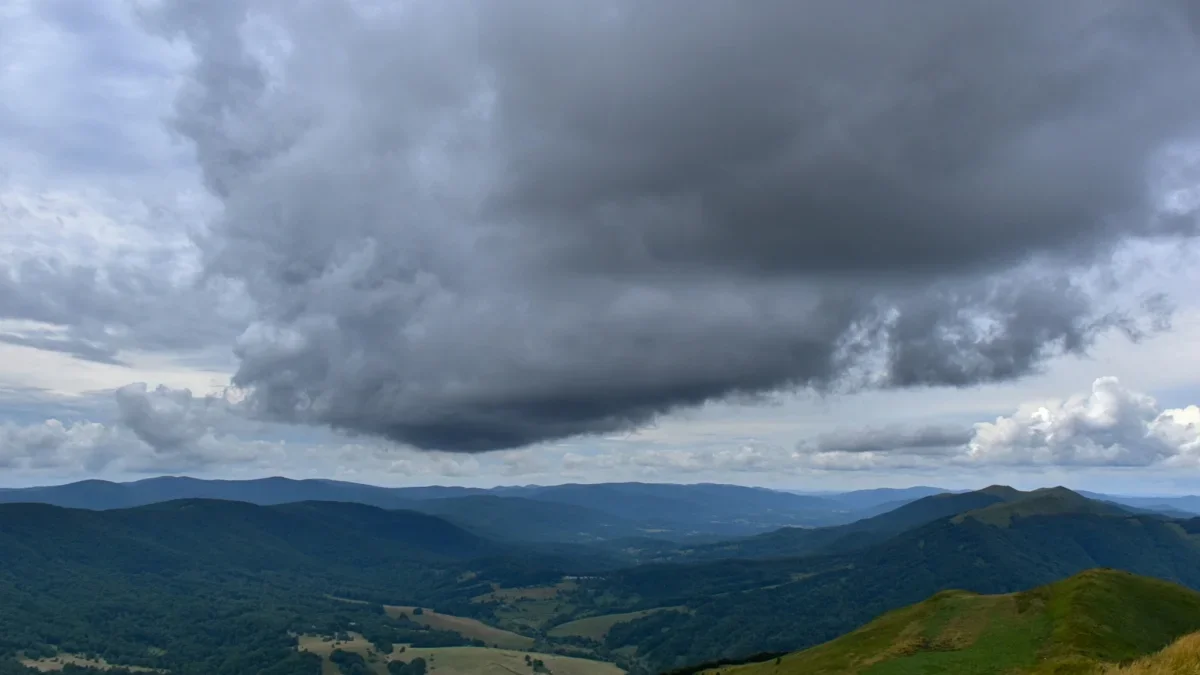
{"x": 809, "y": 245}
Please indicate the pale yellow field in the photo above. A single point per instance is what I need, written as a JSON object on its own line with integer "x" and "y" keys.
{"x": 484, "y": 661}
{"x": 59, "y": 662}
{"x": 471, "y": 628}
{"x": 456, "y": 660}
{"x": 597, "y": 627}
{"x": 357, "y": 644}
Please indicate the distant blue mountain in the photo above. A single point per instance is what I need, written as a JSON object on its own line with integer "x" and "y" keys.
{"x": 569, "y": 513}
{"x": 1186, "y": 505}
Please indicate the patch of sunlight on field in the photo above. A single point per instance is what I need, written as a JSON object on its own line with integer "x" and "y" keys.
{"x": 469, "y": 628}
{"x": 455, "y": 660}
{"x": 56, "y": 663}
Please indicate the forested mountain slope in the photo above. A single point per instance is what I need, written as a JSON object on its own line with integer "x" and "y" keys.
{"x": 738, "y": 608}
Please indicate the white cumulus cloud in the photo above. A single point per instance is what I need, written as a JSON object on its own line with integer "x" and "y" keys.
{"x": 1109, "y": 426}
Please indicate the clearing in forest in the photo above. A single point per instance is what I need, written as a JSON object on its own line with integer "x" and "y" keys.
{"x": 60, "y": 661}
{"x": 597, "y": 627}
{"x": 468, "y": 628}
{"x": 457, "y": 660}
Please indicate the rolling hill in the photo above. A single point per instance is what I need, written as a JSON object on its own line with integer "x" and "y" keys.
{"x": 1163, "y": 504}
{"x": 201, "y": 532}
{"x": 742, "y": 607}
{"x": 883, "y": 498}
{"x": 564, "y": 513}
{"x": 1078, "y": 625}
{"x": 213, "y": 587}
{"x": 223, "y": 576}
{"x": 860, "y": 534}
{"x": 529, "y": 520}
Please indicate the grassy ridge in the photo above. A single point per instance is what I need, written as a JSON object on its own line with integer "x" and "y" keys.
{"x": 1181, "y": 658}
{"x": 1073, "y": 627}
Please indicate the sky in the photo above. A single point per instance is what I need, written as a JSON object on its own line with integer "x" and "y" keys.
{"x": 795, "y": 244}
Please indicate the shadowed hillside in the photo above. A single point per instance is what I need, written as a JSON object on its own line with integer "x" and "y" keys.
{"x": 869, "y": 531}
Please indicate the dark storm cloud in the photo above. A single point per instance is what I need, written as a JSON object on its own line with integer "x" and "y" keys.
{"x": 471, "y": 226}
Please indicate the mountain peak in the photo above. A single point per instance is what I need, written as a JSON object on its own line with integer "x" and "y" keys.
{"x": 1045, "y": 501}
{"x": 1002, "y": 491}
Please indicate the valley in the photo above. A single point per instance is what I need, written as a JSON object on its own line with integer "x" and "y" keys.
{"x": 599, "y": 337}
{"x": 317, "y": 586}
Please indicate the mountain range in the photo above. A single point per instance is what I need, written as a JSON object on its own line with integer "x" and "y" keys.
{"x": 577, "y": 569}
{"x": 577, "y": 512}
{"x": 738, "y": 607}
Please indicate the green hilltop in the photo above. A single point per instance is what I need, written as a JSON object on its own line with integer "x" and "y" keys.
{"x": 1077, "y": 626}
{"x": 1045, "y": 501}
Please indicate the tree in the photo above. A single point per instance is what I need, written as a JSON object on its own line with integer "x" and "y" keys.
{"x": 415, "y": 667}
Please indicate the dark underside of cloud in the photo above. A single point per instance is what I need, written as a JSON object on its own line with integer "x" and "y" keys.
{"x": 472, "y": 226}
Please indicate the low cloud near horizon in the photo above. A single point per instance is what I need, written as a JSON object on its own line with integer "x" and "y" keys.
{"x": 171, "y": 431}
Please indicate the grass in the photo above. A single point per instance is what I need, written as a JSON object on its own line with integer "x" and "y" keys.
{"x": 597, "y": 627}
{"x": 477, "y": 660}
{"x": 454, "y": 660}
{"x": 1074, "y": 627}
{"x": 1181, "y": 658}
{"x": 323, "y": 646}
{"x": 469, "y": 628}
{"x": 60, "y": 661}
{"x": 532, "y": 608}
{"x": 531, "y": 593}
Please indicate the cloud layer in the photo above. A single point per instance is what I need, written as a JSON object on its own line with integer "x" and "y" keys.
{"x": 1111, "y": 426}
{"x": 482, "y": 226}
{"x": 477, "y": 226}
{"x": 1104, "y": 432}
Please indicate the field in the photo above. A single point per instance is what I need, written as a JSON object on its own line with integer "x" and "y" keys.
{"x": 531, "y": 608}
{"x": 472, "y": 660}
{"x": 597, "y": 627}
{"x": 532, "y": 593}
{"x": 457, "y": 660}
{"x": 470, "y": 628}
{"x": 57, "y": 663}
